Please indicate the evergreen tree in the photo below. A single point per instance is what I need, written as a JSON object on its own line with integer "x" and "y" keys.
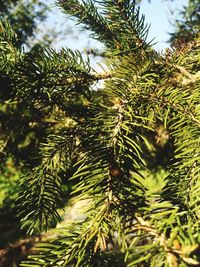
{"x": 127, "y": 138}
{"x": 24, "y": 17}
{"x": 187, "y": 27}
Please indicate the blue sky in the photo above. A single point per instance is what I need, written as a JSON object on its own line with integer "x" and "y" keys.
{"x": 158, "y": 13}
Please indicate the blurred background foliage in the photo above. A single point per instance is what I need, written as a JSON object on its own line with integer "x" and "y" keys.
{"x": 187, "y": 24}
{"x": 21, "y": 128}
{"x": 24, "y": 17}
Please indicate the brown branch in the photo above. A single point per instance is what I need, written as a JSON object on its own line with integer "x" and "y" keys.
{"x": 14, "y": 253}
{"x": 192, "y": 77}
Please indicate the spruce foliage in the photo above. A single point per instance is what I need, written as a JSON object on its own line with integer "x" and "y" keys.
{"x": 19, "y": 134}
{"x": 127, "y": 138}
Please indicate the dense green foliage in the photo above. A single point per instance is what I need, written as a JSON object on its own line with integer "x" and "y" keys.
{"x": 17, "y": 138}
{"x": 126, "y": 139}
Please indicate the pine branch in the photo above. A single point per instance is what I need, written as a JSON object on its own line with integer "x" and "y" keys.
{"x": 87, "y": 13}
{"x": 118, "y": 25}
{"x": 131, "y": 26}
{"x": 42, "y": 188}
{"x": 50, "y": 74}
